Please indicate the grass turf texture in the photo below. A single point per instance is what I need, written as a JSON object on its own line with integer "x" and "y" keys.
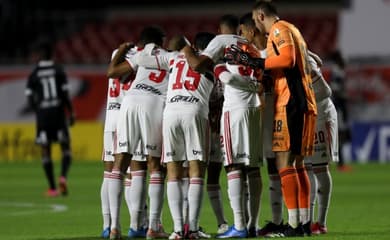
{"x": 360, "y": 206}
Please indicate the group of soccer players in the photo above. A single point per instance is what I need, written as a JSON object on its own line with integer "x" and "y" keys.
{"x": 228, "y": 100}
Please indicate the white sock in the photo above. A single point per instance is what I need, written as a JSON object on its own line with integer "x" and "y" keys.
{"x": 185, "y": 184}
{"x": 313, "y": 188}
{"x": 105, "y": 201}
{"x": 115, "y": 189}
{"x": 214, "y": 193}
{"x": 324, "y": 180}
{"x": 175, "y": 203}
{"x": 255, "y": 187}
{"x": 137, "y": 198}
{"x": 195, "y": 197}
{"x": 128, "y": 194}
{"x": 293, "y": 217}
{"x": 276, "y": 198}
{"x": 236, "y": 197}
{"x": 156, "y": 195}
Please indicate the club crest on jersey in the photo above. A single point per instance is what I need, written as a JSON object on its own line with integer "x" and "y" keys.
{"x": 276, "y": 32}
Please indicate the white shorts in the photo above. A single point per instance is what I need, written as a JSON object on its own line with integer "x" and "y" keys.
{"x": 268, "y": 125}
{"x": 110, "y": 148}
{"x": 140, "y": 122}
{"x": 215, "y": 148}
{"x": 186, "y": 137}
{"x": 241, "y": 136}
{"x": 326, "y": 142}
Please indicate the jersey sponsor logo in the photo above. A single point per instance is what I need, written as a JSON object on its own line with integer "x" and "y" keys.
{"x": 151, "y": 147}
{"x": 276, "y": 32}
{"x": 122, "y": 144}
{"x": 109, "y": 152}
{"x": 145, "y": 87}
{"x": 181, "y": 98}
{"x": 242, "y": 155}
{"x": 170, "y": 154}
{"x": 114, "y": 106}
{"x": 281, "y": 42}
{"x": 196, "y": 152}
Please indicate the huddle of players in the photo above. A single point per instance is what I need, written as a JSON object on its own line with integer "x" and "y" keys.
{"x": 168, "y": 106}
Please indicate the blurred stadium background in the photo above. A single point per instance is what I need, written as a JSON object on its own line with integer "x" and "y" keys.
{"x": 84, "y": 34}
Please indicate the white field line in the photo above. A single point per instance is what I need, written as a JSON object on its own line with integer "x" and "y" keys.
{"x": 27, "y": 208}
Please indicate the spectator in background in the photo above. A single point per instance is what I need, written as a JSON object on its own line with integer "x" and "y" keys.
{"x": 47, "y": 93}
{"x": 339, "y": 97}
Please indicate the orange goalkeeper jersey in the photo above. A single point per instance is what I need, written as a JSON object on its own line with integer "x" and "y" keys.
{"x": 288, "y": 62}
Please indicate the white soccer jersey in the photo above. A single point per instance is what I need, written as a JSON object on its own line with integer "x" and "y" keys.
{"x": 115, "y": 94}
{"x": 188, "y": 91}
{"x": 185, "y": 126}
{"x": 140, "y": 116}
{"x": 233, "y": 97}
{"x": 152, "y": 82}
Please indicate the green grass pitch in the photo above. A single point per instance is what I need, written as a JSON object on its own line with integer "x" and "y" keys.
{"x": 360, "y": 207}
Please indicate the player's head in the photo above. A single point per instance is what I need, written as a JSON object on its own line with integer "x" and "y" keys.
{"x": 228, "y": 24}
{"x": 43, "y": 50}
{"x": 152, "y": 34}
{"x": 202, "y": 39}
{"x": 248, "y": 27}
{"x": 263, "y": 12}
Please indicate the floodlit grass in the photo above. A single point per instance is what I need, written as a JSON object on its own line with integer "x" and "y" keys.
{"x": 360, "y": 207}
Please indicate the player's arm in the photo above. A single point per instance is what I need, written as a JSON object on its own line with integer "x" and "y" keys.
{"x": 118, "y": 65}
{"x": 199, "y": 63}
{"x": 145, "y": 59}
{"x": 29, "y": 92}
{"x": 236, "y": 80}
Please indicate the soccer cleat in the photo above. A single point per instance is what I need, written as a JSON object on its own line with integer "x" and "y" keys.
{"x": 156, "y": 234}
{"x": 176, "y": 235}
{"x": 115, "y": 234}
{"x": 252, "y": 232}
{"x": 289, "y": 231}
{"x": 270, "y": 228}
{"x": 316, "y": 228}
{"x": 200, "y": 234}
{"x": 307, "y": 228}
{"x": 52, "y": 193}
{"x": 106, "y": 233}
{"x": 63, "y": 186}
{"x": 222, "y": 228}
{"x": 140, "y": 233}
{"x": 232, "y": 232}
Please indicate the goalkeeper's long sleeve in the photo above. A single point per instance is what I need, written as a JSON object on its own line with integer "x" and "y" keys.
{"x": 285, "y": 59}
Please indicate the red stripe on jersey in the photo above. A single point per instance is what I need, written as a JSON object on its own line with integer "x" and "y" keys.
{"x": 228, "y": 143}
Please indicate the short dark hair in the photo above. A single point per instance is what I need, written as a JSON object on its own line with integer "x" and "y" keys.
{"x": 152, "y": 34}
{"x": 267, "y": 7}
{"x": 247, "y": 20}
{"x": 44, "y": 48}
{"x": 230, "y": 21}
{"x": 202, "y": 39}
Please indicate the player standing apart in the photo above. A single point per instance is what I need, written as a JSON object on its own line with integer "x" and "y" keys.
{"x": 47, "y": 93}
